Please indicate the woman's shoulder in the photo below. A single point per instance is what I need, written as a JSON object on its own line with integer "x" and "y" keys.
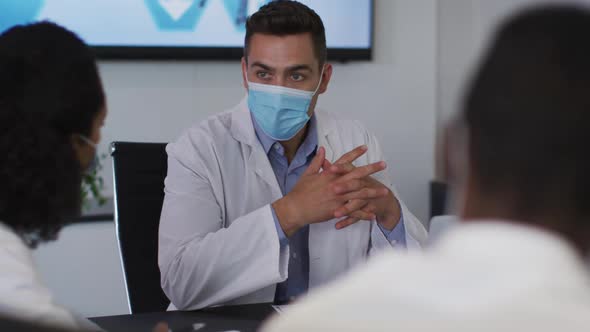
{"x": 12, "y": 247}
{"x": 22, "y": 294}
{"x": 18, "y": 268}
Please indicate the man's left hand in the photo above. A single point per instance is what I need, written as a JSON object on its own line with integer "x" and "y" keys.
{"x": 386, "y": 210}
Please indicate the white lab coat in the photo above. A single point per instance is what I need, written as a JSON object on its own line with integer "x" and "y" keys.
{"x": 218, "y": 243}
{"x": 481, "y": 276}
{"x": 22, "y": 294}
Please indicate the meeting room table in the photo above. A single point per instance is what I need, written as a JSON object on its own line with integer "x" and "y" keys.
{"x": 242, "y": 318}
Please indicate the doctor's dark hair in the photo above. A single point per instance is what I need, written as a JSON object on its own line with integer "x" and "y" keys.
{"x": 50, "y": 90}
{"x": 286, "y": 17}
{"x": 528, "y": 115}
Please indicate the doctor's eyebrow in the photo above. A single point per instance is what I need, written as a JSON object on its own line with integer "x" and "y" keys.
{"x": 263, "y": 66}
{"x": 300, "y": 68}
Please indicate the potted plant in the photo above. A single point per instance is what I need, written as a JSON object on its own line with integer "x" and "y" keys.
{"x": 92, "y": 186}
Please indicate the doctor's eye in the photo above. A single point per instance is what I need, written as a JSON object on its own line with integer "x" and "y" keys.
{"x": 263, "y": 75}
{"x": 297, "y": 77}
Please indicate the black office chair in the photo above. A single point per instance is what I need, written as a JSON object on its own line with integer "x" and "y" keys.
{"x": 139, "y": 171}
{"x": 438, "y": 198}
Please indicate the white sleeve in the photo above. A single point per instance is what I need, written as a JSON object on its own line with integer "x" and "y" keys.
{"x": 416, "y": 234}
{"x": 23, "y": 295}
{"x": 202, "y": 262}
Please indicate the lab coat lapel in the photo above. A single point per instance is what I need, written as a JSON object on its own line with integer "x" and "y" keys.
{"x": 325, "y": 129}
{"x": 243, "y": 131}
{"x": 319, "y": 244}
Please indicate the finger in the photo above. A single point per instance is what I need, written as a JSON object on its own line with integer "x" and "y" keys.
{"x": 342, "y": 168}
{"x": 161, "y": 327}
{"x": 365, "y": 213}
{"x": 347, "y": 187}
{"x": 353, "y": 155}
{"x": 346, "y": 222}
{"x": 370, "y": 207}
{"x": 362, "y": 215}
{"x": 327, "y": 165}
{"x": 364, "y": 171}
{"x": 350, "y": 207}
{"x": 316, "y": 163}
{"x": 366, "y": 194}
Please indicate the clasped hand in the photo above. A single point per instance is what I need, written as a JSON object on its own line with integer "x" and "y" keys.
{"x": 340, "y": 190}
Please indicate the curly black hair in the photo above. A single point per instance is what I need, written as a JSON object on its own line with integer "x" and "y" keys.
{"x": 50, "y": 89}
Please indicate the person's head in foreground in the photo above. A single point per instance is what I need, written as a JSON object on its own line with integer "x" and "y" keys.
{"x": 520, "y": 145}
{"x": 519, "y": 157}
{"x": 52, "y": 107}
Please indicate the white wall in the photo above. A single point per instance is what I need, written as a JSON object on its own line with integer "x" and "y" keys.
{"x": 83, "y": 269}
{"x": 394, "y": 96}
{"x": 457, "y": 36}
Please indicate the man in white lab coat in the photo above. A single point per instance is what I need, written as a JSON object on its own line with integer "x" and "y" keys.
{"x": 520, "y": 162}
{"x": 272, "y": 198}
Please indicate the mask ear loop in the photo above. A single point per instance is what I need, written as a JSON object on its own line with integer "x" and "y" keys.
{"x": 87, "y": 141}
{"x": 321, "y": 79}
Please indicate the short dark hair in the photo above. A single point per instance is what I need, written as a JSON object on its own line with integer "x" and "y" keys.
{"x": 528, "y": 113}
{"x": 285, "y": 17}
{"x": 50, "y": 89}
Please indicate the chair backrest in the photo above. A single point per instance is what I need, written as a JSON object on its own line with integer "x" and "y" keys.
{"x": 438, "y": 198}
{"x": 139, "y": 170}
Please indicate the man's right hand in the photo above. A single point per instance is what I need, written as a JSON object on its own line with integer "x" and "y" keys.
{"x": 314, "y": 198}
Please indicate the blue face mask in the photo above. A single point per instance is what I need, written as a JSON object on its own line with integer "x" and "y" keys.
{"x": 91, "y": 168}
{"x": 281, "y": 112}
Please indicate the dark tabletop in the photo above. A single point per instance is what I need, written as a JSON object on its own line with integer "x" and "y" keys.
{"x": 243, "y": 318}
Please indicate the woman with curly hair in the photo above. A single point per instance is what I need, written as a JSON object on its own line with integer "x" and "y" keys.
{"x": 52, "y": 106}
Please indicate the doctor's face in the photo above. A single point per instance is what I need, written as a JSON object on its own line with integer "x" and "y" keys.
{"x": 287, "y": 61}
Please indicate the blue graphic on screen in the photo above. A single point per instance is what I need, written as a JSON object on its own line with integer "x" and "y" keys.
{"x": 181, "y": 23}
{"x": 176, "y": 14}
{"x": 238, "y": 11}
{"x": 13, "y": 12}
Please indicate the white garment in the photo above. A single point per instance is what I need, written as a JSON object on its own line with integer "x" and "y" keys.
{"x": 22, "y": 294}
{"x": 481, "y": 276}
{"x": 218, "y": 243}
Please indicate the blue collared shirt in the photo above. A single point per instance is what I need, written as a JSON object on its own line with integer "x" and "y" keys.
{"x": 287, "y": 176}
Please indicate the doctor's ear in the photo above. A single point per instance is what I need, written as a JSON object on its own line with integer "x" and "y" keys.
{"x": 244, "y": 73}
{"x": 327, "y": 75}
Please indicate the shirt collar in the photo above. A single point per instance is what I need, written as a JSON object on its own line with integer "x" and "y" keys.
{"x": 309, "y": 144}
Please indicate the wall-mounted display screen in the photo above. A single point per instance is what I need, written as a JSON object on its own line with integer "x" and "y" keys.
{"x": 198, "y": 29}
